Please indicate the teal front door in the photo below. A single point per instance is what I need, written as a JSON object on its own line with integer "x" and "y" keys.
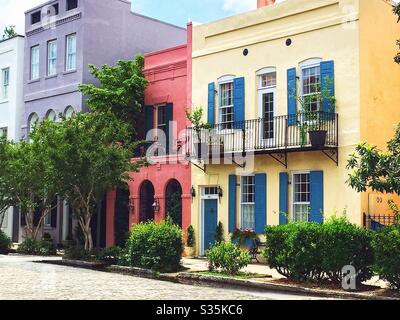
{"x": 210, "y": 222}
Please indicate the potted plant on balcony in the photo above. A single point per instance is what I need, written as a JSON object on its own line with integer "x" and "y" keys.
{"x": 190, "y": 242}
{"x": 244, "y": 237}
{"x": 198, "y": 125}
{"x": 315, "y": 122}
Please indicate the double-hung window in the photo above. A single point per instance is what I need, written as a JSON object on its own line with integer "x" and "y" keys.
{"x": 5, "y": 82}
{"x": 301, "y": 196}
{"x": 225, "y": 108}
{"x": 311, "y": 87}
{"x": 35, "y": 63}
{"x": 247, "y": 196}
{"x": 52, "y": 58}
{"x": 71, "y": 53}
{"x": 267, "y": 102}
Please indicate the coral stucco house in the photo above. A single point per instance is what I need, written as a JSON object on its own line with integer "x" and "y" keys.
{"x": 249, "y": 73}
{"x": 163, "y": 188}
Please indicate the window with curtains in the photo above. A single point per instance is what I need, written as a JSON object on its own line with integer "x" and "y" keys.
{"x": 301, "y": 196}
{"x": 5, "y": 82}
{"x": 225, "y": 108}
{"x": 247, "y": 197}
{"x": 35, "y": 63}
{"x": 71, "y": 53}
{"x": 311, "y": 87}
{"x": 52, "y": 58}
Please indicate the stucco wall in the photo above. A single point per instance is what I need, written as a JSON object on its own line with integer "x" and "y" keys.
{"x": 325, "y": 30}
{"x": 11, "y": 56}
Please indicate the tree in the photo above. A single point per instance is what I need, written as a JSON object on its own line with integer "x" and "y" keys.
{"x": 396, "y": 10}
{"x": 9, "y": 32}
{"x": 92, "y": 155}
{"x": 120, "y": 90}
{"x": 32, "y": 183}
{"x": 6, "y": 200}
{"x": 375, "y": 169}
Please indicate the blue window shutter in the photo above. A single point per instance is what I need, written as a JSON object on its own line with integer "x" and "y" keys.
{"x": 261, "y": 202}
{"x": 283, "y": 197}
{"x": 169, "y": 112}
{"x": 211, "y": 104}
{"x": 328, "y": 84}
{"x": 148, "y": 119}
{"x": 292, "y": 96}
{"x": 238, "y": 102}
{"x": 232, "y": 203}
{"x": 317, "y": 196}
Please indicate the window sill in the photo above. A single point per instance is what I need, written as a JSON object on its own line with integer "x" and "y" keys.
{"x": 70, "y": 71}
{"x": 33, "y": 81}
{"x": 51, "y": 77}
{"x": 4, "y": 101}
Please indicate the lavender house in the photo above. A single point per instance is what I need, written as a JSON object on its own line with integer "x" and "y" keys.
{"x": 62, "y": 38}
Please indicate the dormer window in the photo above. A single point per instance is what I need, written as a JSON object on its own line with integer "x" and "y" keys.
{"x": 72, "y": 4}
{"x": 35, "y": 17}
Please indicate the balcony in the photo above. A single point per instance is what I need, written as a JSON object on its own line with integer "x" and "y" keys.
{"x": 274, "y": 136}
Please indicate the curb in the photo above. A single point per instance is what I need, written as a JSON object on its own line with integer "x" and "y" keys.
{"x": 219, "y": 282}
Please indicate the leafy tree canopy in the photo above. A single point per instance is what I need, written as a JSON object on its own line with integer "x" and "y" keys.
{"x": 9, "y": 32}
{"x": 120, "y": 90}
{"x": 396, "y": 10}
{"x": 376, "y": 169}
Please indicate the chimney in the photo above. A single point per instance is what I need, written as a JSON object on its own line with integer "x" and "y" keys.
{"x": 265, "y": 3}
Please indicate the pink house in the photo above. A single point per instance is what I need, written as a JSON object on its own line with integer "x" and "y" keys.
{"x": 163, "y": 188}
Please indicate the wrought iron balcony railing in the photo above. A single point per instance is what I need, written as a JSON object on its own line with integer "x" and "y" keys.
{"x": 300, "y": 132}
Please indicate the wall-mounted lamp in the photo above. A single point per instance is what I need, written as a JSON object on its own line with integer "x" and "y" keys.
{"x": 220, "y": 192}
{"x": 193, "y": 192}
{"x": 156, "y": 206}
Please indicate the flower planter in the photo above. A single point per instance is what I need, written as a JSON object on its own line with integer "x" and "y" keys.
{"x": 318, "y": 138}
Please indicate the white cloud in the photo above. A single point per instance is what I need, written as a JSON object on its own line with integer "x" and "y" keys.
{"x": 12, "y": 13}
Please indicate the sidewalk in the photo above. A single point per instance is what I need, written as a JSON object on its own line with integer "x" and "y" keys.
{"x": 201, "y": 265}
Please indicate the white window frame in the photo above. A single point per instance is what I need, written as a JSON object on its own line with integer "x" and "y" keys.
{"x": 265, "y": 90}
{"x": 35, "y": 63}
{"x": 294, "y": 203}
{"x": 47, "y": 220}
{"x": 66, "y": 112}
{"x": 247, "y": 203}
{"x": 222, "y": 81}
{"x": 51, "y": 59}
{"x": 5, "y": 82}
{"x": 69, "y": 55}
{"x": 204, "y": 196}
{"x": 49, "y": 113}
{"x": 308, "y": 64}
{"x": 31, "y": 123}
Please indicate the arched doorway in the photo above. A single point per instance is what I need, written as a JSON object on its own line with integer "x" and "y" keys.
{"x": 121, "y": 217}
{"x": 173, "y": 201}
{"x": 146, "y": 201}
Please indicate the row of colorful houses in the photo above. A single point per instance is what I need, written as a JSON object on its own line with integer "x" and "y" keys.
{"x": 256, "y": 75}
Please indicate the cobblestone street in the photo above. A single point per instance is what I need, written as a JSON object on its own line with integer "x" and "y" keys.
{"x": 22, "y": 278}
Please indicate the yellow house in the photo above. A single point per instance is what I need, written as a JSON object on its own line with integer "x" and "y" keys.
{"x": 267, "y": 80}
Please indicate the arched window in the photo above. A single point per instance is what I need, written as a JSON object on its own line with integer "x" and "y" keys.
{"x": 69, "y": 112}
{"x": 51, "y": 115}
{"x": 33, "y": 120}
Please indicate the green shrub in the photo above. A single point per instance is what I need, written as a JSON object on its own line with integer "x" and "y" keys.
{"x": 345, "y": 244}
{"x": 294, "y": 250}
{"x": 310, "y": 251}
{"x": 29, "y": 246}
{"x": 228, "y": 257}
{"x": 156, "y": 246}
{"x": 77, "y": 253}
{"x": 46, "y": 248}
{"x": 219, "y": 233}
{"x": 34, "y": 247}
{"x": 5, "y": 243}
{"x": 190, "y": 240}
{"x": 108, "y": 255}
{"x": 386, "y": 244}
